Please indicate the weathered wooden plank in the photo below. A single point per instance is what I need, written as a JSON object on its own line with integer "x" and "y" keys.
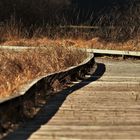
{"x": 114, "y": 52}
{"x": 108, "y": 108}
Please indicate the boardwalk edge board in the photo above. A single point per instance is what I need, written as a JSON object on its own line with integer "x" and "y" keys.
{"x": 27, "y": 102}
{"x": 95, "y": 51}
{"x": 115, "y": 52}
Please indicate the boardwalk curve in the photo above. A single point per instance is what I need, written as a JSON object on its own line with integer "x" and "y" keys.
{"x": 104, "y": 106}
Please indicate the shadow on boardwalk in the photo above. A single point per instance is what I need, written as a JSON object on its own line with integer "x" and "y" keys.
{"x": 51, "y": 108}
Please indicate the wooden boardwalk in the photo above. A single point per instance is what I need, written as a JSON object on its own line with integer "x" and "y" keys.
{"x": 106, "y": 107}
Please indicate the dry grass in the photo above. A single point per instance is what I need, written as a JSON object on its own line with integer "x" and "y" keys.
{"x": 16, "y": 68}
{"x": 124, "y": 34}
{"x": 95, "y": 43}
{"x": 14, "y": 33}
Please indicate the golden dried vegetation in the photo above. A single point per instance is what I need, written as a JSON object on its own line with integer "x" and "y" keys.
{"x": 18, "y": 67}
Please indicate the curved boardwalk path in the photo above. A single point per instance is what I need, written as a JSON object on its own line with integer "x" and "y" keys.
{"x": 106, "y": 106}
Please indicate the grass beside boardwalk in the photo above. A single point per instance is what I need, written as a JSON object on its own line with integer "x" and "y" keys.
{"x": 115, "y": 38}
{"x": 95, "y": 43}
{"x": 117, "y": 25}
{"x": 18, "y": 67}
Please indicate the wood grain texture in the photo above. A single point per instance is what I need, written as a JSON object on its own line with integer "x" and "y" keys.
{"x": 108, "y": 108}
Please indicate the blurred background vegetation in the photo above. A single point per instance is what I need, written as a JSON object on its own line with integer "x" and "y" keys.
{"x": 32, "y": 14}
{"x": 68, "y": 11}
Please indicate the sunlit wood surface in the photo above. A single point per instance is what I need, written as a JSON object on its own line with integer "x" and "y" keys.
{"x": 108, "y": 108}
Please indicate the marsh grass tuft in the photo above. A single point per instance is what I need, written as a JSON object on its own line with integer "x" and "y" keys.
{"x": 18, "y": 67}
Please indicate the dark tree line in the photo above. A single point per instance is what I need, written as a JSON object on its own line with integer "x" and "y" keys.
{"x": 32, "y": 11}
{"x": 62, "y": 11}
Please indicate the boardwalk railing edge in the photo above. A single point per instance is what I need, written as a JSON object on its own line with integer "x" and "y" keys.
{"x": 95, "y": 51}
{"x": 115, "y": 52}
{"x": 26, "y": 103}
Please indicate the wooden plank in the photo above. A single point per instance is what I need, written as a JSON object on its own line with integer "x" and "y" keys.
{"x": 108, "y": 109}
{"x": 89, "y": 27}
{"x": 114, "y": 52}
